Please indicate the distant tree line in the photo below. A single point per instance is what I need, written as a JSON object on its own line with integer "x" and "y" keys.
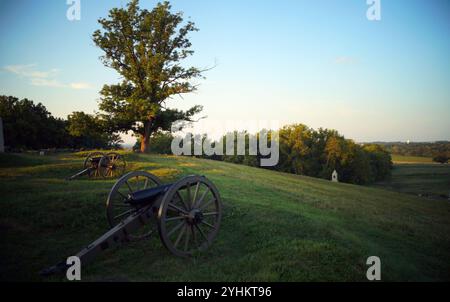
{"x": 29, "y": 126}
{"x": 310, "y": 152}
{"x": 439, "y": 151}
{"x": 303, "y": 150}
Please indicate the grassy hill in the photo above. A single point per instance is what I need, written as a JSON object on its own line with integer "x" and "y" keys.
{"x": 276, "y": 226}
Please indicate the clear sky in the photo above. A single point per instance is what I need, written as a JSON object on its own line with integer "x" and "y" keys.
{"x": 322, "y": 63}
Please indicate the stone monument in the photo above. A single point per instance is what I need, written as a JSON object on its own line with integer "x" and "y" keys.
{"x": 334, "y": 176}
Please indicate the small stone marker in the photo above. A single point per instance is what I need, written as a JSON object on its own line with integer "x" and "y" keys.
{"x": 42, "y": 153}
{"x": 2, "y": 140}
{"x": 334, "y": 176}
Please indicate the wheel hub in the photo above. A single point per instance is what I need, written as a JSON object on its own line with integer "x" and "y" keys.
{"x": 195, "y": 216}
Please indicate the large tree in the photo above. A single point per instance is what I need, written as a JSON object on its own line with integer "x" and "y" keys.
{"x": 147, "y": 49}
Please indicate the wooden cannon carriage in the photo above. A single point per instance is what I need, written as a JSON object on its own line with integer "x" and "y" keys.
{"x": 187, "y": 213}
{"x": 98, "y": 164}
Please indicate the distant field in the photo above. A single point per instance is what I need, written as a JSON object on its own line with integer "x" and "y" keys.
{"x": 276, "y": 226}
{"x": 421, "y": 179}
{"x": 410, "y": 159}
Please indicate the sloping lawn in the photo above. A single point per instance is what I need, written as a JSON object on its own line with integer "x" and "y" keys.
{"x": 276, "y": 226}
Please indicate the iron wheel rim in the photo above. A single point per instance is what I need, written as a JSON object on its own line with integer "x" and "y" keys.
{"x": 118, "y": 210}
{"x": 193, "y": 227}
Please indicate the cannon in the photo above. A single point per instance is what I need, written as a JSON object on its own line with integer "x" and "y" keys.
{"x": 97, "y": 164}
{"x": 187, "y": 214}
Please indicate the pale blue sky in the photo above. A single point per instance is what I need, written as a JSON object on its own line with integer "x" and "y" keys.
{"x": 318, "y": 62}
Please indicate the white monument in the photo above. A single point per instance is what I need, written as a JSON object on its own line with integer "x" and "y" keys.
{"x": 2, "y": 140}
{"x": 334, "y": 176}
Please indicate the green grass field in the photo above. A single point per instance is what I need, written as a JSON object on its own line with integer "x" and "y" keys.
{"x": 402, "y": 159}
{"x": 276, "y": 226}
{"x": 430, "y": 181}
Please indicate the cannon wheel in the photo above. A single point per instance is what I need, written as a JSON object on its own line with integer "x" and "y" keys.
{"x": 88, "y": 164}
{"x": 189, "y": 215}
{"x": 112, "y": 165}
{"x": 116, "y": 208}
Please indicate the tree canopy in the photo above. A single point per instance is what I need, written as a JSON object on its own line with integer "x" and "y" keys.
{"x": 29, "y": 126}
{"x": 90, "y": 131}
{"x": 147, "y": 48}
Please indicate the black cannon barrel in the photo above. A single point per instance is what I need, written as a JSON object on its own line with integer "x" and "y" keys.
{"x": 96, "y": 159}
{"x": 148, "y": 195}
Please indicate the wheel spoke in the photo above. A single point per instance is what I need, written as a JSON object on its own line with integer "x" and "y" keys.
{"x": 202, "y": 233}
{"x": 175, "y": 218}
{"x": 182, "y": 201}
{"x": 194, "y": 199}
{"x": 123, "y": 196}
{"x": 211, "y": 214}
{"x": 186, "y": 242}
{"x": 129, "y": 187}
{"x": 175, "y": 228}
{"x": 137, "y": 183}
{"x": 180, "y": 235}
{"x": 208, "y": 203}
{"x": 194, "y": 238}
{"x": 188, "y": 187}
{"x": 199, "y": 202}
{"x": 171, "y": 205}
{"x": 208, "y": 224}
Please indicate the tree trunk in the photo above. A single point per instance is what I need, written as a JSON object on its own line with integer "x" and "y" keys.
{"x": 145, "y": 138}
{"x": 145, "y": 143}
